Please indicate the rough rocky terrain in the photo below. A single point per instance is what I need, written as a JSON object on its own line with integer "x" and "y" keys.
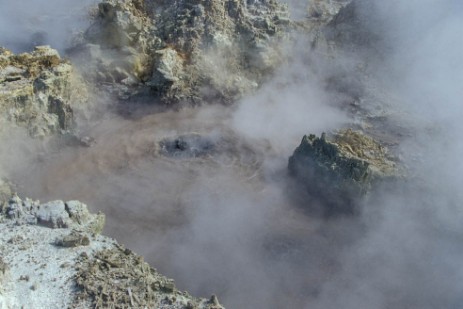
{"x": 193, "y": 51}
{"x": 341, "y": 168}
{"x": 52, "y": 256}
{"x": 37, "y": 90}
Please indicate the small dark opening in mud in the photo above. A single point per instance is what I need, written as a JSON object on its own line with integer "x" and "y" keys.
{"x": 187, "y": 146}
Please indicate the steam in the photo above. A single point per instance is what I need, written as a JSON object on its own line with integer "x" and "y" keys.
{"x": 291, "y": 105}
{"x": 408, "y": 257}
{"x": 28, "y": 23}
{"x": 233, "y": 223}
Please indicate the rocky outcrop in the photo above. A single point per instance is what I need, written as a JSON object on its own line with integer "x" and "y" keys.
{"x": 55, "y": 214}
{"x": 341, "y": 168}
{"x": 52, "y": 256}
{"x": 35, "y": 90}
{"x": 191, "y": 51}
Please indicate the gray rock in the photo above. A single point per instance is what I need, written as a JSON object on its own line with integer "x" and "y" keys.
{"x": 53, "y": 214}
{"x": 56, "y": 214}
{"x": 74, "y": 239}
{"x": 77, "y": 211}
{"x": 83, "y": 220}
{"x": 14, "y": 209}
{"x": 23, "y": 212}
{"x": 167, "y": 71}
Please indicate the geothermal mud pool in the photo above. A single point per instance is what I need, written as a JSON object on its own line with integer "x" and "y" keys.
{"x": 203, "y": 191}
{"x": 209, "y": 220}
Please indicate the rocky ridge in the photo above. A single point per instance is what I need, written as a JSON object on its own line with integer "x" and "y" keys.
{"x": 193, "y": 51}
{"x": 55, "y": 249}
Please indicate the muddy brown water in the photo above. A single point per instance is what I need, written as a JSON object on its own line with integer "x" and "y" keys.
{"x": 222, "y": 223}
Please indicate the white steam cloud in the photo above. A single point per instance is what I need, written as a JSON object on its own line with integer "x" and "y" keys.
{"x": 27, "y": 23}
{"x": 234, "y": 224}
{"x": 409, "y": 256}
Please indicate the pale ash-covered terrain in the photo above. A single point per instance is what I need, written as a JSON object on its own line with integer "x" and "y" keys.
{"x": 177, "y": 54}
{"x": 54, "y": 257}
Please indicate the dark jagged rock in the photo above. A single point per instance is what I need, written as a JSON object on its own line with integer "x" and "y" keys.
{"x": 341, "y": 169}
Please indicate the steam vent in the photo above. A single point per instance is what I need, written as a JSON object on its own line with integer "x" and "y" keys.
{"x": 151, "y": 154}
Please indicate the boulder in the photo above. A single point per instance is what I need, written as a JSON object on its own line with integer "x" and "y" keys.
{"x": 35, "y": 90}
{"x": 167, "y": 72}
{"x": 341, "y": 168}
{"x": 53, "y": 214}
{"x": 73, "y": 239}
